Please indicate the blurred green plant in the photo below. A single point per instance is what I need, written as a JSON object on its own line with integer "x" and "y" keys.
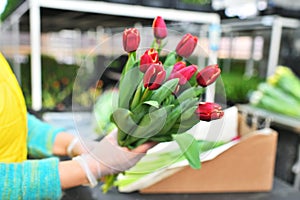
{"x": 57, "y": 82}
{"x": 57, "y": 85}
{"x": 103, "y": 110}
{"x": 238, "y": 86}
{"x": 201, "y": 2}
{"x": 279, "y": 94}
{"x": 9, "y": 8}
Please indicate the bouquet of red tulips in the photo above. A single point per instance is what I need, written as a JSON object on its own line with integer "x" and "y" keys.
{"x": 160, "y": 97}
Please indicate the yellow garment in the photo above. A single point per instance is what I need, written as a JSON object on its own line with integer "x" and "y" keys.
{"x": 13, "y": 122}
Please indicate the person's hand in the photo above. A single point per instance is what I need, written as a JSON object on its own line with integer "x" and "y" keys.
{"x": 107, "y": 157}
{"x": 79, "y": 146}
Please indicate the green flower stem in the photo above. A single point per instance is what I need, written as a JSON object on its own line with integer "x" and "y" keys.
{"x": 159, "y": 45}
{"x": 146, "y": 94}
{"x": 125, "y": 67}
{"x": 178, "y": 58}
{"x": 153, "y": 44}
{"x": 130, "y": 61}
{"x": 109, "y": 182}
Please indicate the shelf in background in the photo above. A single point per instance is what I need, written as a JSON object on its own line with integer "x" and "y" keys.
{"x": 287, "y": 122}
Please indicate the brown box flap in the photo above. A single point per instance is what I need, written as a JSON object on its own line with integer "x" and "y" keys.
{"x": 246, "y": 167}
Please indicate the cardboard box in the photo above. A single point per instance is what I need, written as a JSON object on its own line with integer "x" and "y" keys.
{"x": 246, "y": 167}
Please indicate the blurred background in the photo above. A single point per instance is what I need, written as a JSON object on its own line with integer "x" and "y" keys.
{"x": 252, "y": 37}
{"x": 47, "y": 41}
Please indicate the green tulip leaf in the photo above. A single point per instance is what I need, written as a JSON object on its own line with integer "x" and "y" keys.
{"x": 191, "y": 102}
{"x": 128, "y": 85}
{"x": 190, "y": 149}
{"x": 137, "y": 96}
{"x": 152, "y": 123}
{"x": 184, "y": 125}
{"x": 123, "y": 120}
{"x": 152, "y": 103}
{"x": 165, "y": 90}
{"x": 168, "y": 71}
{"x": 171, "y": 120}
{"x": 170, "y": 60}
{"x": 188, "y": 113}
{"x": 190, "y": 92}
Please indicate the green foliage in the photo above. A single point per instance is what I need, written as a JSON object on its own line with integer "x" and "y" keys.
{"x": 10, "y": 7}
{"x": 201, "y": 2}
{"x": 57, "y": 82}
{"x": 103, "y": 110}
{"x": 237, "y": 87}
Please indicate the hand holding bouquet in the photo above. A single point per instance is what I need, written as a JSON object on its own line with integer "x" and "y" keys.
{"x": 160, "y": 96}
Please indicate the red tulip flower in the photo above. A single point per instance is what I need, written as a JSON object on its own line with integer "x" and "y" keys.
{"x": 184, "y": 74}
{"x": 154, "y": 76}
{"x": 131, "y": 39}
{"x": 178, "y": 66}
{"x": 148, "y": 58}
{"x": 159, "y": 28}
{"x": 208, "y": 75}
{"x": 208, "y": 111}
{"x": 187, "y": 45}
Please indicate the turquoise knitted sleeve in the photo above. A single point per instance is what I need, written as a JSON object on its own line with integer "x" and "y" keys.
{"x": 40, "y": 138}
{"x": 32, "y": 179}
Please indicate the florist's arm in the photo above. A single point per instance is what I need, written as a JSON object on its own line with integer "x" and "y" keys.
{"x": 32, "y": 179}
{"x": 45, "y": 140}
{"x": 39, "y": 179}
{"x": 44, "y": 179}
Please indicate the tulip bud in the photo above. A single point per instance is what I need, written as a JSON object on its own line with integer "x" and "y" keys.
{"x": 184, "y": 74}
{"x": 131, "y": 39}
{"x": 208, "y": 111}
{"x": 187, "y": 45}
{"x": 208, "y": 75}
{"x": 154, "y": 76}
{"x": 178, "y": 66}
{"x": 148, "y": 58}
{"x": 159, "y": 28}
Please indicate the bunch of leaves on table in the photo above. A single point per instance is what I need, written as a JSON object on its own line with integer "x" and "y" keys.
{"x": 160, "y": 101}
{"x": 279, "y": 94}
